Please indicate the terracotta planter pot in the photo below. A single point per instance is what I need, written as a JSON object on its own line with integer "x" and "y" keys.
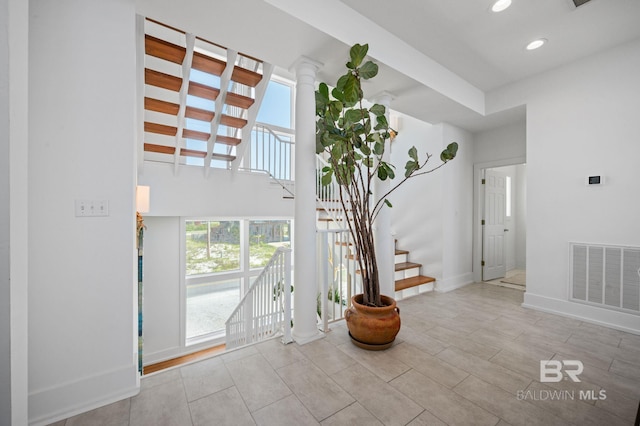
{"x": 373, "y": 328}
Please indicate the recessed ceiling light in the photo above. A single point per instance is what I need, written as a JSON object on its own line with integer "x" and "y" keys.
{"x": 500, "y": 5}
{"x": 535, "y": 44}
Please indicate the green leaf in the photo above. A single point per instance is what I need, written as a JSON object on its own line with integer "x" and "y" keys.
{"x": 381, "y": 123}
{"x": 365, "y": 149}
{"x": 453, "y": 148}
{"x": 387, "y": 202}
{"x": 413, "y": 153}
{"x": 323, "y": 89}
{"x": 449, "y": 153}
{"x": 335, "y": 109}
{"x": 378, "y": 148}
{"x": 382, "y": 173}
{"x": 337, "y": 94}
{"x": 352, "y": 89}
{"x": 377, "y": 110}
{"x": 357, "y": 53}
{"x": 390, "y": 171}
{"x": 319, "y": 146}
{"x": 342, "y": 81}
{"x": 326, "y": 178}
{"x": 410, "y": 167}
{"x": 368, "y": 161}
{"x": 354, "y": 115}
{"x": 368, "y": 70}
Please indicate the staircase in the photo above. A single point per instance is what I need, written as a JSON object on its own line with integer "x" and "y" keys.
{"x": 409, "y": 281}
{"x": 200, "y": 99}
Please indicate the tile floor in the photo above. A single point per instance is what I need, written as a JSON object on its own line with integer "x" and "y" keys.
{"x": 509, "y": 274}
{"x": 467, "y": 357}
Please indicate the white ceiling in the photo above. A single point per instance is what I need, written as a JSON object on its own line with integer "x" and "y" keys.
{"x": 483, "y": 48}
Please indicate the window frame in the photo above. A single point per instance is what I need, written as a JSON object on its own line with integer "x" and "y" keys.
{"x": 245, "y": 273}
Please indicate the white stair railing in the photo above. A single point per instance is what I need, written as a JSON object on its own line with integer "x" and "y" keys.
{"x": 338, "y": 280}
{"x": 328, "y": 196}
{"x": 265, "y": 310}
{"x": 270, "y": 152}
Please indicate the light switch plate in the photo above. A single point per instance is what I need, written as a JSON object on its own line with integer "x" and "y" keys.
{"x": 92, "y": 208}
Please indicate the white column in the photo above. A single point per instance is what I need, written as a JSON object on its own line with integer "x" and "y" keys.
{"x": 385, "y": 253}
{"x": 305, "y": 283}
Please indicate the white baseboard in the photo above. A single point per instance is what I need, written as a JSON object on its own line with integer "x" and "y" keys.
{"x": 445, "y": 285}
{"x": 69, "y": 399}
{"x": 592, "y": 314}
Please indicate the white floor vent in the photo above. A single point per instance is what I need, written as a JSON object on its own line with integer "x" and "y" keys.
{"x": 605, "y": 275}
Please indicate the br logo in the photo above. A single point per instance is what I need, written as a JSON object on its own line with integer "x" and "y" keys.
{"x": 552, "y": 370}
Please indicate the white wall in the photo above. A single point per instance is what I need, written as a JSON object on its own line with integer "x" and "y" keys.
{"x": 17, "y": 20}
{"x": 82, "y": 270}
{"x": 5, "y": 294}
{"x": 520, "y": 212}
{"x": 432, "y": 214}
{"x": 162, "y": 289}
{"x": 457, "y": 221}
{"x": 582, "y": 119}
{"x": 222, "y": 193}
{"x": 501, "y": 144}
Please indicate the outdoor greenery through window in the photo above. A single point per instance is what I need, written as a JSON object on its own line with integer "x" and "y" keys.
{"x": 222, "y": 258}
{"x": 265, "y": 236}
{"x": 212, "y": 246}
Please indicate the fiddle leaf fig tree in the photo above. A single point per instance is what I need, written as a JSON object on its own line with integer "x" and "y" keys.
{"x": 353, "y": 138}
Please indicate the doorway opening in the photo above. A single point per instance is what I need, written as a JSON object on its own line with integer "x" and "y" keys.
{"x": 500, "y": 247}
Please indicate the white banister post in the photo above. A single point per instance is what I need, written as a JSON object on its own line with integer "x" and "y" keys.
{"x": 286, "y": 337}
{"x": 324, "y": 278}
{"x": 385, "y": 254}
{"x": 305, "y": 327}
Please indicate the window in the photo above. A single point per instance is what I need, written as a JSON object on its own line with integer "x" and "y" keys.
{"x": 222, "y": 258}
{"x": 276, "y": 105}
{"x": 508, "y": 198}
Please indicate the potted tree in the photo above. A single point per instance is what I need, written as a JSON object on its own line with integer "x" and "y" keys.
{"x": 353, "y": 137}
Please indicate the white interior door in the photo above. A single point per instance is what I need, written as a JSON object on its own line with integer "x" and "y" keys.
{"x": 493, "y": 244}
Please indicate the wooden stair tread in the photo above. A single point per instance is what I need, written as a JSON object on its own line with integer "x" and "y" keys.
{"x": 163, "y": 49}
{"x": 205, "y": 63}
{"x": 413, "y": 282}
{"x": 398, "y": 252}
{"x": 329, "y": 219}
{"x": 185, "y": 152}
{"x": 230, "y": 121}
{"x": 239, "y": 101}
{"x": 162, "y": 80}
{"x": 406, "y": 265}
{"x": 162, "y": 129}
{"x": 173, "y": 83}
{"x": 245, "y": 76}
{"x": 171, "y": 108}
{"x": 203, "y": 91}
{"x": 161, "y": 149}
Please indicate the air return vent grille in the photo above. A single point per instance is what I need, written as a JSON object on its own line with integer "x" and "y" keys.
{"x": 605, "y": 275}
